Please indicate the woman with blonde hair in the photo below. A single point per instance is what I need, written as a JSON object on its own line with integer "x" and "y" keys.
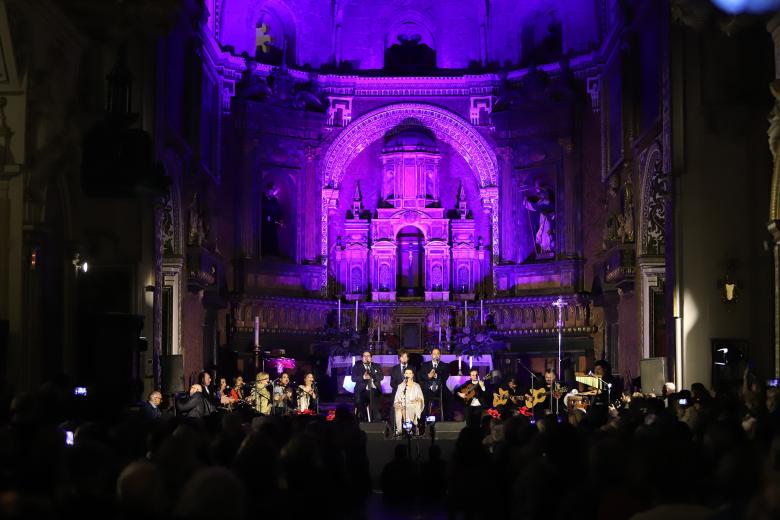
{"x": 260, "y": 396}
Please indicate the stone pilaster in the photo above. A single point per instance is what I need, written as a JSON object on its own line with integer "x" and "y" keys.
{"x": 569, "y": 219}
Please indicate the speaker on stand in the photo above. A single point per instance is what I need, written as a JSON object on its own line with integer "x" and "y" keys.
{"x": 172, "y": 367}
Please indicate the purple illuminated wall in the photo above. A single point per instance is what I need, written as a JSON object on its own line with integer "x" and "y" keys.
{"x": 463, "y": 33}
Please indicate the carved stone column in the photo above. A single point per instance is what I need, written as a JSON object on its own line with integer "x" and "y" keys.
{"x": 773, "y": 26}
{"x": 569, "y": 218}
{"x": 506, "y": 188}
{"x": 311, "y": 210}
{"x": 774, "y": 230}
{"x": 157, "y": 303}
{"x": 247, "y": 189}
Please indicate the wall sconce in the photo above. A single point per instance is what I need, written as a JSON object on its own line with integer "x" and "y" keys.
{"x": 79, "y": 264}
{"x": 729, "y": 288}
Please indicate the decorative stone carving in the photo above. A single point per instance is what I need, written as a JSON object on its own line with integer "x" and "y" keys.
{"x": 773, "y": 133}
{"x": 339, "y": 111}
{"x": 655, "y": 187}
{"x": 480, "y": 108}
{"x": 593, "y": 88}
{"x": 197, "y": 229}
{"x": 625, "y": 220}
{"x": 167, "y": 233}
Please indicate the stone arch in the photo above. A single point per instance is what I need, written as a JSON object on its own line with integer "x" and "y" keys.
{"x": 445, "y": 125}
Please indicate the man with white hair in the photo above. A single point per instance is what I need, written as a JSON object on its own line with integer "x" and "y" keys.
{"x": 151, "y": 407}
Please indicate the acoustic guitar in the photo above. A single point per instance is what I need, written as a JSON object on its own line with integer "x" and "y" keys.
{"x": 503, "y": 397}
{"x": 470, "y": 390}
{"x": 539, "y": 395}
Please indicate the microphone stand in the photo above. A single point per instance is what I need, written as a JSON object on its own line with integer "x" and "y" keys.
{"x": 533, "y": 376}
{"x": 403, "y": 412}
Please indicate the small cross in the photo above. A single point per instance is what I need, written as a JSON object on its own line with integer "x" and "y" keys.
{"x": 262, "y": 38}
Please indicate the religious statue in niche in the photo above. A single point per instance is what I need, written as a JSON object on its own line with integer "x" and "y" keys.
{"x": 197, "y": 232}
{"x": 625, "y": 220}
{"x": 272, "y": 221}
{"x": 540, "y": 200}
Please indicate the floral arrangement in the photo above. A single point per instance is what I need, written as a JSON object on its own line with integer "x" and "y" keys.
{"x": 476, "y": 341}
{"x": 331, "y": 415}
{"x": 345, "y": 341}
{"x": 495, "y": 414}
{"x": 524, "y": 410}
{"x": 305, "y": 411}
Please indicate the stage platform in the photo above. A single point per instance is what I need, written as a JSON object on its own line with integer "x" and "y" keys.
{"x": 381, "y": 448}
{"x": 446, "y": 430}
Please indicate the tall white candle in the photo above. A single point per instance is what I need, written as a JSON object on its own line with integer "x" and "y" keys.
{"x": 257, "y": 331}
{"x": 339, "y": 312}
{"x": 481, "y": 312}
{"x": 471, "y": 359}
{"x": 356, "y": 313}
{"x": 459, "y": 369}
{"x": 465, "y": 313}
{"x": 439, "y": 333}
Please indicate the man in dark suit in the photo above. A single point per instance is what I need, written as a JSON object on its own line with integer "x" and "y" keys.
{"x": 151, "y": 408}
{"x": 397, "y": 373}
{"x": 367, "y": 377}
{"x": 433, "y": 377}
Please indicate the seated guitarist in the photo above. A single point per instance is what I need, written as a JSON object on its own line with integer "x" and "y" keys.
{"x": 512, "y": 397}
{"x": 550, "y": 400}
{"x": 474, "y": 396}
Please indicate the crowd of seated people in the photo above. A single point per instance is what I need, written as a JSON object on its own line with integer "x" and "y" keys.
{"x": 686, "y": 454}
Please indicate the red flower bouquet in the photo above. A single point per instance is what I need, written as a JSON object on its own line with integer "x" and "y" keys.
{"x": 306, "y": 412}
{"x": 331, "y": 415}
{"x": 495, "y": 414}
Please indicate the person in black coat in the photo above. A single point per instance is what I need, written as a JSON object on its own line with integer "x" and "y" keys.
{"x": 196, "y": 404}
{"x": 367, "y": 377}
{"x": 478, "y": 403}
{"x": 433, "y": 377}
{"x": 397, "y": 372}
{"x": 151, "y": 407}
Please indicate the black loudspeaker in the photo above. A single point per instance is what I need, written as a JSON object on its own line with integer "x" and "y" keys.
{"x": 653, "y": 375}
{"x": 172, "y": 368}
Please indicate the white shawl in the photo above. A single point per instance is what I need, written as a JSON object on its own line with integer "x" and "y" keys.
{"x": 408, "y": 407}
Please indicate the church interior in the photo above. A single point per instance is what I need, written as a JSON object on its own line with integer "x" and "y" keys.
{"x": 246, "y": 186}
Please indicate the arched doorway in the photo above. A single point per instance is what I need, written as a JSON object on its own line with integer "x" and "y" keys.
{"x": 411, "y": 254}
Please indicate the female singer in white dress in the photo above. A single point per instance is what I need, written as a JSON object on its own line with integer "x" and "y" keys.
{"x": 408, "y": 402}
